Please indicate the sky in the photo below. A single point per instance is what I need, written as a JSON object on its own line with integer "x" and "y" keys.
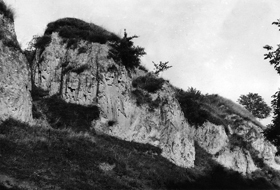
{"x": 215, "y": 46}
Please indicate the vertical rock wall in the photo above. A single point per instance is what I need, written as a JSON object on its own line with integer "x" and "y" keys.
{"x": 15, "y": 83}
{"x": 90, "y": 78}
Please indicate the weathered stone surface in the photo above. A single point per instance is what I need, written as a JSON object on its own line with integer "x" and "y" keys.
{"x": 15, "y": 84}
{"x": 104, "y": 83}
{"x": 212, "y": 138}
{"x": 236, "y": 149}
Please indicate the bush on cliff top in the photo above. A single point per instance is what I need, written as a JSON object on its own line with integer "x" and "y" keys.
{"x": 72, "y": 30}
{"x": 199, "y": 108}
{"x": 148, "y": 82}
{"x": 7, "y": 11}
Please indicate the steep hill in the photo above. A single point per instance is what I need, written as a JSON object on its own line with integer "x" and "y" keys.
{"x": 100, "y": 123}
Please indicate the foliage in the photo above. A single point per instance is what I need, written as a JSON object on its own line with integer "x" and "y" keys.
{"x": 162, "y": 66}
{"x": 124, "y": 52}
{"x": 148, "y": 82}
{"x": 40, "y": 42}
{"x": 143, "y": 68}
{"x": 273, "y": 132}
{"x": 190, "y": 102}
{"x": 199, "y": 108}
{"x": 11, "y": 43}
{"x": 7, "y": 11}
{"x": 62, "y": 159}
{"x": 143, "y": 97}
{"x": 255, "y": 104}
{"x": 73, "y": 30}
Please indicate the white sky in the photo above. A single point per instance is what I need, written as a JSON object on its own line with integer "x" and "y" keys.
{"x": 213, "y": 45}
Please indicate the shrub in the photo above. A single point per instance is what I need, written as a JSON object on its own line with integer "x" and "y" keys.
{"x": 42, "y": 42}
{"x": 145, "y": 98}
{"x": 124, "y": 52}
{"x": 6, "y": 11}
{"x": 148, "y": 82}
{"x": 73, "y": 30}
{"x": 190, "y": 102}
{"x": 12, "y": 44}
{"x": 143, "y": 68}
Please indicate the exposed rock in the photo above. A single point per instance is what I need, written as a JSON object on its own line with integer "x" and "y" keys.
{"x": 237, "y": 149}
{"x": 15, "y": 85}
{"x": 91, "y": 78}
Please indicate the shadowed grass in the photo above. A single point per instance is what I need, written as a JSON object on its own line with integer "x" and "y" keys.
{"x": 63, "y": 159}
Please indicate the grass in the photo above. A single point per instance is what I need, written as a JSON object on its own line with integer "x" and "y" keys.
{"x": 230, "y": 107}
{"x": 149, "y": 83}
{"x": 199, "y": 108}
{"x": 72, "y": 30}
{"x": 64, "y": 159}
{"x": 7, "y": 11}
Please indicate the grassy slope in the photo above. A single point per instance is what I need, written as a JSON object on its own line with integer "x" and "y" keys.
{"x": 49, "y": 158}
{"x": 67, "y": 158}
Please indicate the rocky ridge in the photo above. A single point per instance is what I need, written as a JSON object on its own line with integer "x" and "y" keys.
{"x": 85, "y": 75}
{"x": 15, "y": 83}
{"x": 91, "y": 78}
{"x": 104, "y": 83}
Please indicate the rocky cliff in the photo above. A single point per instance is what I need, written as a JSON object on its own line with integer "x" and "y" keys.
{"x": 89, "y": 77}
{"x": 15, "y": 83}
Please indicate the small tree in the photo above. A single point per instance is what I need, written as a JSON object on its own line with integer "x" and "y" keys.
{"x": 255, "y": 104}
{"x": 123, "y": 51}
{"x": 162, "y": 66}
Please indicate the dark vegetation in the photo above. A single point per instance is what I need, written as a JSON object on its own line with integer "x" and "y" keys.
{"x": 9, "y": 42}
{"x": 199, "y": 108}
{"x": 162, "y": 66}
{"x": 126, "y": 53}
{"x": 143, "y": 86}
{"x": 62, "y": 159}
{"x": 255, "y": 104}
{"x": 6, "y": 11}
{"x": 72, "y": 30}
{"x": 273, "y": 131}
{"x": 149, "y": 82}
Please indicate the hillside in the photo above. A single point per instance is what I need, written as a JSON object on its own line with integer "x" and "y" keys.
{"x": 100, "y": 120}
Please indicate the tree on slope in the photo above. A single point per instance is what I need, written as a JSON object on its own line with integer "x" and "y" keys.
{"x": 255, "y": 104}
{"x": 273, "y": 132}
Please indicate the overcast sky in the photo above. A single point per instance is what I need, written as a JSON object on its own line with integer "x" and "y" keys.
{"x": 214, "y": 46}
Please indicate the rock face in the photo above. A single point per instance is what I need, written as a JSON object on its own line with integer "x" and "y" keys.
{"x": 15, "y": 84}
{"x": 85, "y": 75}
{"x": 90, "y": 78}
{"x": 241, "y": 149}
